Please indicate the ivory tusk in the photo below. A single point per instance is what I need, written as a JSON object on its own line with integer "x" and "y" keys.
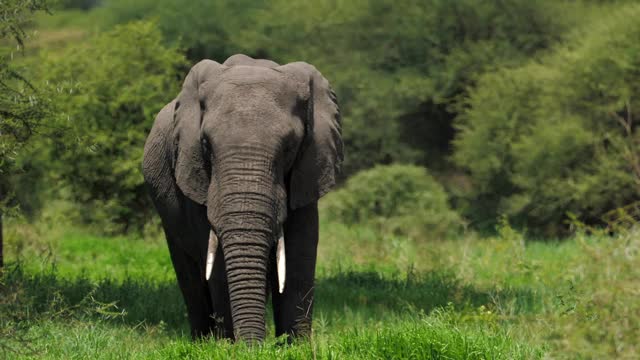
{"x": 211, "y": 252}
{"x": 281, "y": 262}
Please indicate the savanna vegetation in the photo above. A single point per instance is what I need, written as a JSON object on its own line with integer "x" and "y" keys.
{"x": 487, "y": 206}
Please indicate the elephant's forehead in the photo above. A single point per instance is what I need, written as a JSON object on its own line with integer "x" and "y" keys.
{"x": 257, "y": 76}
{"x": 251, "y": 86}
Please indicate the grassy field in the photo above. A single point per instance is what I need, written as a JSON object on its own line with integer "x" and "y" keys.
{"x": 70, "y": 295}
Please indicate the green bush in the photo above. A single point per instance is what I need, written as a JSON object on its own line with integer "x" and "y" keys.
{"x": 558, "y": 135}
{"x": 108, "y": 91}
{"x": 398, "y": 199}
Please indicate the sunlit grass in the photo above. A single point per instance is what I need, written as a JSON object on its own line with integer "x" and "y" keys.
{"x": 77, "y": 295}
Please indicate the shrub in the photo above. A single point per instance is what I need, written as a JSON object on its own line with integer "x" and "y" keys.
{"x": 399, "y": 199}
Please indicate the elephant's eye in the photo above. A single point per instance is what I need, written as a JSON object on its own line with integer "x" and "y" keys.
{"x": 206, "y": 153}
{"x": 206, "y": 147}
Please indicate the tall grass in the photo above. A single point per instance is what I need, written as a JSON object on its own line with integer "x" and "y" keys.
{"x": 377, "y": 297}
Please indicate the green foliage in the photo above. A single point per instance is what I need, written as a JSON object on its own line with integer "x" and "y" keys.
{"x": 22, "y": 107}
{"x": 109, "y": 90}
{"x": 558, "y": 136}
{"x": 201, "y": 28}
{"x": 395, "y": 66}
{"x": 15, "y": 14}
{"x": 544, "y": 94}
{"x": 398, "y": 66}
{"x": 400, "y": 199}
{"x": 402, "y": 71}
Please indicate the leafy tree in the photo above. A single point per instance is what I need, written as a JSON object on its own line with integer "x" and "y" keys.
{"x": 559, "y": 135}
{"x": 21, "y": 106}
{"x": 110, "y": 89}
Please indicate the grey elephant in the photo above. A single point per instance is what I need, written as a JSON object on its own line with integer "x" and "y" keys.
{"x": 235, "y": 166}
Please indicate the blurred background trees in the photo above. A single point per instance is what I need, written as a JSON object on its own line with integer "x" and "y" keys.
{"x": 514, "y": 107}
{"x": 557, "y": 134}
{"x": 110, "y": 88}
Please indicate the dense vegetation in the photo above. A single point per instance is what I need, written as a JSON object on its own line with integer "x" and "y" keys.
{"x": 515, "y": 110}
{"x": 557, "y": 135}
{"x": 461, "y": 119}
{"x": 111, "y": 99}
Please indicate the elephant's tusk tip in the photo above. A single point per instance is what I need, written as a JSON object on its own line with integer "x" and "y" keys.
{"x": 209, "y": 265}
{"x": 281, "y": 263}
{"x": 211, "y": 253}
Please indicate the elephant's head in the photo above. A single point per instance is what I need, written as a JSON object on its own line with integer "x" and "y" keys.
{"x": 253, "y": 139}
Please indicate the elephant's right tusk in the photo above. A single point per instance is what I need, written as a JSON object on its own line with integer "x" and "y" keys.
{"x": 211, "y": 252}
{"x": 281, "y": 262}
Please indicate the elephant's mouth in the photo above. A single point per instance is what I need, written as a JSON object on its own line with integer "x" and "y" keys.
{"x": 281, "y": 262}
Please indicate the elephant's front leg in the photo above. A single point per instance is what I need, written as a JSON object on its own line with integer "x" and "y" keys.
{"x": 194, "y": 290}
{"x": 175, "y": 215}
{"x": 293, "y": 308}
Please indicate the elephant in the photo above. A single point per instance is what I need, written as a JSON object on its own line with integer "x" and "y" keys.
{"x": 235, "y": 166}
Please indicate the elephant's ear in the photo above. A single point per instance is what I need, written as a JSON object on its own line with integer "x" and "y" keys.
{"x": 320, "y": 156}
{"x": 190, "y": 166}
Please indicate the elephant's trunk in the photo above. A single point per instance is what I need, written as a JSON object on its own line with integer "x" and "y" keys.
{"x": 246, "y": 260}
{"x": 246, "y": 221}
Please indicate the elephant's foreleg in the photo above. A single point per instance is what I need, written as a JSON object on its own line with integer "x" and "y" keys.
{"x": 293, "y": 308}
{"x": 194, "y": 291}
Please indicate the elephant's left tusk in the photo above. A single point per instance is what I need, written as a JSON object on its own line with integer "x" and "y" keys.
{"x": 211, "y": 252}
{"x": 281, "y": 262}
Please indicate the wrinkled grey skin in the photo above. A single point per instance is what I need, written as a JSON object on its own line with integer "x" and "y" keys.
{"x": 246, "y": 148}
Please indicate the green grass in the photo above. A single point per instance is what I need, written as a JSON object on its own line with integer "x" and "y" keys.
{"x": 72, "y": 295}
{"x": 98, "y": 258}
